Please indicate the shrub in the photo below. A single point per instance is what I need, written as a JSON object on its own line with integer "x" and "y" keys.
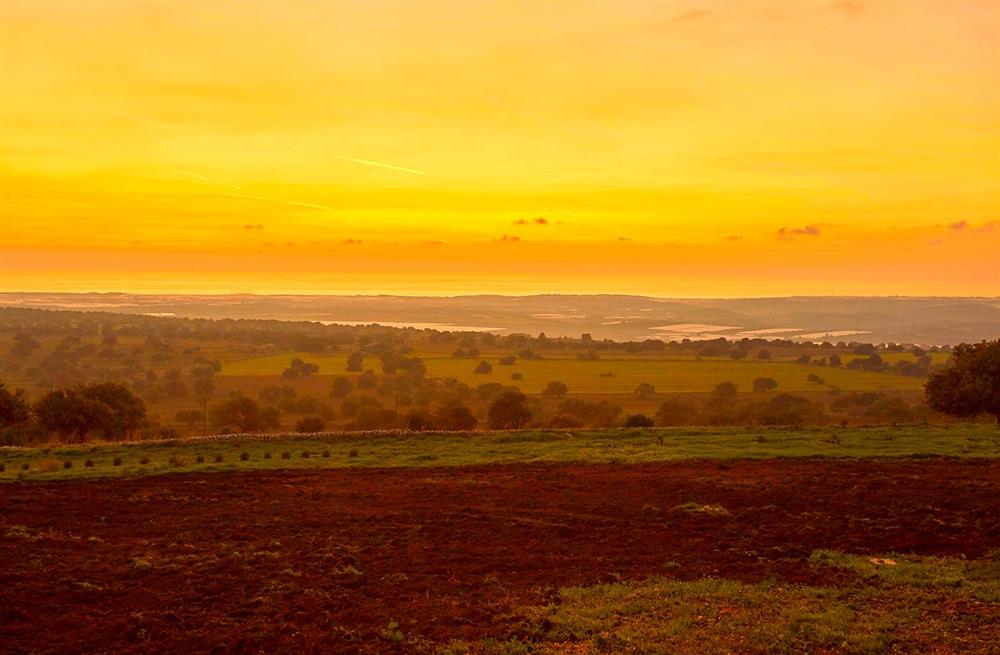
{"x": 483, "y": 367}
{"x": 764, "y": 384}
{"x": 517, "y": 376}
{"x": 25, "y": 466}
{"x": 200, "y": 459}
{"x": 144, "y": 460}
{"x": 3, "y": 467}
{"x": 68, "y": 464}
{"x": 311, "y": 423}
{"x": 244, "y": 456}
{"x": 89, "y": 463}
{"x": 267, "y": 454}
{"x": 305, "y": 454}
{"x": 353, "y": 453}
{"x": 177, "y": 461}
{"x": 638, "y": 421}
{"x": 286, "y": 455}
{"x": 555, "y": 389}
{"x": 326, "y": 454}
{"x": 117, "y": 461}
{"x": 217, "y": 458}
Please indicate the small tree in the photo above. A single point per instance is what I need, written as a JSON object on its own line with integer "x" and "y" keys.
{"x": 725, "y": 390}
{"x": 310, "y": 424}
{"x": 341, "y": 388}
{"x": 14, "y": 407}
{"x": 638, "y": 421}
{"x": 555, "y": 389}
{"x": 765, "y": 384}
{"x": 483, "y": 367}
{"x": 508, "y": 411}
{"x": 970, "y": 384}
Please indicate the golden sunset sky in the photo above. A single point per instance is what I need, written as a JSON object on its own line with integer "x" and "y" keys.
{"x": 667, "y": 148}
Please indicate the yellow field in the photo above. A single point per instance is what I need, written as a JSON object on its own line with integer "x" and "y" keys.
{"x": 667, "y": 375}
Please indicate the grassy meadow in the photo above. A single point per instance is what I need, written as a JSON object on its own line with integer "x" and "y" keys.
{"x": 612, "y": 374}
{"x": 238, "y": 453}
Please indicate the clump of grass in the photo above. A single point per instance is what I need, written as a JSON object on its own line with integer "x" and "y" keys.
{"x": 353, "y": 453}
{"x": 117, "y": 461}
{"x": 25, "y": 466}
{"x": 244, "y": 456}
{"x": 68, "y": 464}
{"x": 286, "y": 455}
{"x": 200, "y": 459}
{"x": 326, "y": 454}
{"x": 218, "y": 458}
{"x": 89, "y": 463}
{"x": 305, "y": 454}
{"x": 144, "y": 460}
{"x": 3, "y": 467}
{"x": 697, "y": 508}
{"x": 267, "y": 454}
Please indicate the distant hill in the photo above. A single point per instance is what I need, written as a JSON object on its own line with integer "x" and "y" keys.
{"x": 925, "y": 321}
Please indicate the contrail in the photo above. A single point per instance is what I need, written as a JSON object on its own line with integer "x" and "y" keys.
{"x": 368, "y": 162}
{"x": 192, "y": 174}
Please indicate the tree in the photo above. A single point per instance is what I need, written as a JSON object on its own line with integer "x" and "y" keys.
{"x": 355, "y": 362}
{"x": 644, "y": 390}
{"x": 638, "y": 421}
{"x": 764, "y": 354}
{"x": 508, "y": 411}
{"x": 555, "y": 389}
{"x": 106, "y": 407}
{"x": 14, "y": 407}
{"x": 204, "y": 389}
{"x": 189, "y": 416}
{"x": 675, "y": 412}
{"x": 341, "y": 388}
{"x": 310, "y": 424}
{"x": 483, "y": 367}
{"x": 765, "y": 384}
{"x": 970, "y": 384}
{"x": 456, "y": 417}
{"x": 725, "y": 390}
{"x": 299, "y": 369}
{"x": 238, "y": 411}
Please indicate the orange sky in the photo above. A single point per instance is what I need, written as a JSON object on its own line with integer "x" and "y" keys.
{"x": 671, "y": 149}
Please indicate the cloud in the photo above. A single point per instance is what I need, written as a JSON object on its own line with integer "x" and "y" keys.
{"x": 509, "y": 238}
{"x": 434, "y": 243}
{"x": 351, "y": 242}
{"x": 694, "y": 14}
{"x": 734, "y": 237}
{"x": 541, "y": 220}
{"x": 624, "y": 239}
{"x": 960, "y": 225}
{"x": 538, "y": 220}
{"x": 256, "y": 226}
{"x": 805, "y": 231}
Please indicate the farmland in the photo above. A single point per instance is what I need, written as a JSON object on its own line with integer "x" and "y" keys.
{"x": 669, "y": 375}
{"x": 788, "y": 555}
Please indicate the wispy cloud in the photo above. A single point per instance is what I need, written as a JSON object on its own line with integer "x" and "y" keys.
{"x": 378, "y": 164}
{"x": 256, "y": 226}
{"x": 509, "y": 238}
{"x": 959, "y": 226}
{"x": 192, "y": 175}
{"x": 805, "y": 231}
{"x": 849, "y": 7}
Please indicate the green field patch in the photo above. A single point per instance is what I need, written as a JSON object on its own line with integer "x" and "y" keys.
{"x": 620, "y": 375}
{"x": 270, "y": 452}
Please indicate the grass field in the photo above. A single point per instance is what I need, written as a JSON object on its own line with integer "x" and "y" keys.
{"x": 462, "y": 449}
{"x": 667, "y": 375}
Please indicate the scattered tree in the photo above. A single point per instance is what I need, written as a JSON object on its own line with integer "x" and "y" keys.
{"x": 970, "y": 384}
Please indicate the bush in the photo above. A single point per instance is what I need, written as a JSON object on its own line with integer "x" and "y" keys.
{"x": 326, "y": 454}
{"x": 286, "y": 455}
{"x": 144, "y": 460}
{"x": 305, "y": 454}
{"x": 267, "y": 454}
{"x": 68, "y": 464}
{"x": 3, "y": 467}
{"x": 764, "y": 384}
{"x": 638, "y": 421}
{"x": 217, "y": 459}
{"x": 353, "y": 454}
{"x": 200, "y": 459}
{"x": 517, "y": 376}
{"x": 25, "y": 466}
{"x": 244, "y": 456}
{"x": 312, "y": 423}
{"x": 117, "y": 461}
{"x": 177, "y": 461}
{"x": 483, "y": 367}
{"x": 89, "y": 463}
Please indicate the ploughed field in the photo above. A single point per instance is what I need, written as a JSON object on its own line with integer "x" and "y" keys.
{"x": 687, "y": 556}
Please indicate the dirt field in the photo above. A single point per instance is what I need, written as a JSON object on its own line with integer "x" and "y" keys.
{"x": 321, "y": 561}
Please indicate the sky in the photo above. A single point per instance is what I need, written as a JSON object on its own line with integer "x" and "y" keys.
{"x": 684, "y": 149}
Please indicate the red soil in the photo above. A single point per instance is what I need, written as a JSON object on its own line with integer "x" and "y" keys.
{"x": 261, "y": 561}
